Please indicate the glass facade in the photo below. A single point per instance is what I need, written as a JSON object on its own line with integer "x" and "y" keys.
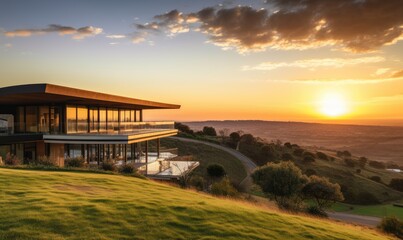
{"x": 93, "y": 120}
{"x": 71, "y": 119}
{"x": 102, "y": 120}
{"x": 82, "y": 119}
{"x": 44, "y": 119}
{"x": 20, "y": 120}
{"x": 31, "y": 119}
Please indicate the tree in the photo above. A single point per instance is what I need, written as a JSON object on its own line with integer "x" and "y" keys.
{"x": 349, "y": 162}
{"x": 210, "y": 131}
{"x": 322, "y": 156}
{"x": 183, "y": 128}
{"x": 376, "y": 164}
{"x": 397, "y": 184}
{"x": 362, "y": 161}
{"x": 322, "y": 191}
{"x": 224, "y": 132}
{"x": 280, "y": 181}
{"x": 235, "y": 137}
{"x": 215, "y": 170}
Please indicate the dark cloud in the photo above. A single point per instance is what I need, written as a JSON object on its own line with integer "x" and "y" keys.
{"x": 398, "y": 74}
{"x": 356, "y": 25}
{"x": 77, "y": 33}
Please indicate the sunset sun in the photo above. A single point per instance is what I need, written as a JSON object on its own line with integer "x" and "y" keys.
{"x": 333, "y": 105}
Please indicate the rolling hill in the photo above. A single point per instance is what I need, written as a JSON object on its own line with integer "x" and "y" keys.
{"x": 71, "y": 205}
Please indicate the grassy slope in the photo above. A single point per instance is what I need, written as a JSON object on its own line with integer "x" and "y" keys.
{"x": 370, "y": 210}
{"x": 338, "y": 172}
{"x": 68, "y": 205}
{"x": 207, "y": 155}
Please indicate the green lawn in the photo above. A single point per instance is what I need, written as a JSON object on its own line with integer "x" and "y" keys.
{"x": 72, "y": 205}
{"x": 371, "y": 210}
{"x": 207, "y": 155}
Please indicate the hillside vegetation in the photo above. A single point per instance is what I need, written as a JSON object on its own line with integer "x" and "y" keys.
{"x": 71, "y": 205}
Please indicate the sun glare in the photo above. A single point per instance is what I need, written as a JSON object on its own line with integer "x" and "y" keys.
{"x": 333, "y": 105}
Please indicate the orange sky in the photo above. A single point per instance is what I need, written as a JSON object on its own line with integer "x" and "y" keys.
{"x": 241, "y": 60}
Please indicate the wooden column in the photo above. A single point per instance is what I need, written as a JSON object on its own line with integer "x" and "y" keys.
{"x": 125, "y": 152}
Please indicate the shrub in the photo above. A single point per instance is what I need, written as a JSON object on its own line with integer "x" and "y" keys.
{"x": 375, "y": 178}
{"x": 298, "y": 152}
{"x": 376, "y": 164}
{"x": 309, "y": 172}
{"x": 362, "y": 161}
{"x": 316, "y": 211}
{"x": 77, "y": 162}
{"x": 392, "y": 225}
{"x": 397, "y": 184}
{"x": 349, "y": 162}
{"x": 42, "y": 161}
{"x": 281, "y": 181}
{"x": 223, "y": 188}
{"x": 322, "y": 191}
{"x": 215, "y": 170}
{"x": 108, "y": 166}
{"x": 308, "y": 159}
{"x": 197, "y": 182}
{"x": 358, "y": 171}
{"x": 308, "y": 154}
{"x": 12, "y": 160}
{"x": 210, "y": 131}
{"x": 287, "y": 145}
{"x": 127, "y": 169}
{"x": 287, "y": 157}
{"x": 366, "y": 198}
{"x": 322, "y": 156}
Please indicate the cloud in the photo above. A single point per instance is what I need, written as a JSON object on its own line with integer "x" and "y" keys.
{"x": 77, "y": 33}
{"x": 354, "y": 25}
{"x": 314, "y": 63}
{"x": 337, "y": 81}
{"x": 116, "y": 36}
{"x": 139, "y": 37}
{"x": 398, "y": 74}
{"x": 381, "y": 71}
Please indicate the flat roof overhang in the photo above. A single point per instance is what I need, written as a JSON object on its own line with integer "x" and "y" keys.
{"x": 89, "y": 138}
{"x": 108, "y": 138}
{"x": 37, "y": 94}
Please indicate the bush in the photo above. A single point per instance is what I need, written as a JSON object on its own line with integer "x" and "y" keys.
{"x": 108, "y": 166}
{"x": 308, "y": 154}
{"x": 366, "y": 198}
{"x": 362, "y": 161}
{"x": 397, "y": 184}
{"x": 349, "y": 162}
{"x": 316, "y": 211}
{"x": 197, "y": 182}
{"x": 287, "y": 157}
{"x": 42, "y": 161}
{"x": 77, "y": 162}
{"x": 287, "y": 145}
{"x": 210, "y": 131}
{"x": 127, "y": 169}
{"x": 322, "y": 156}
{"x": 223, "y": 188}
{"x": 298, "y": 152}
{"x": 12, "y": 160}
{"x": 215, "y": 170}
{"x": 358, "y": 171}
{"x": 392, "y": 225}
{"x": 375, "y": 178}
{"x": 281, "y": 181}
{"x": 376, "y": 164}
{"x": 309, "y": 172}
{"x": 308, "y": 159}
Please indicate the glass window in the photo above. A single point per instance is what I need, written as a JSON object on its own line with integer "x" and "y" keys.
{"x": 102, "y": 120}
{"x": 82, "y": 119}
{"x": 55, "y": 119}
{"x": 94, "y": 120}
{"x": 127, "y": 115}
{"x": 71, "y": 119}
{"x": 133, "y": 115}
{"x": 113, "y": 119}
{"x": 44, "y": 119}
{"x": 32, "y": 119}
{"x": 20, "y": 121}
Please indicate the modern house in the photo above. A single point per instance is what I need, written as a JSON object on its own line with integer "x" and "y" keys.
{"x": 59, "y": 122}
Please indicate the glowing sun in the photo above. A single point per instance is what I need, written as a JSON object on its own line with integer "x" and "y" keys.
{"x": 333, "y": 105}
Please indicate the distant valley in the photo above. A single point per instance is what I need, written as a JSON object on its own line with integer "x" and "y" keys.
{"x": 382, "y": 143}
